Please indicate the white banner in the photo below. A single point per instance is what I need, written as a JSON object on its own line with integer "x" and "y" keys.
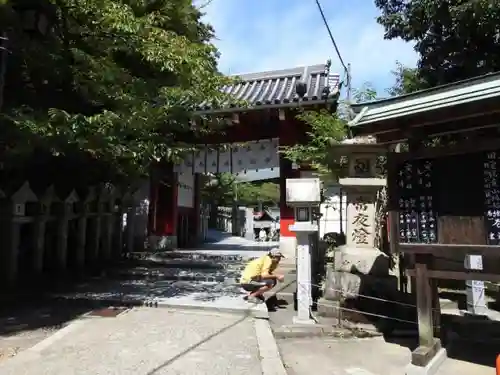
{"x": 236, "y": 159}
{"x": 212, "y": 160}
{"x": 200, "y": 161}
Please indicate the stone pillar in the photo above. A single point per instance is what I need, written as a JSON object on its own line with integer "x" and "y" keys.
{"x": 359, "y": 267}
{"x": 81, "y": 239}
{"x": 288, "y": 242}
{"x": 118, "y": 228}
{"x": 39, "y": 243}
{"x": 130, "y": 224}
{"x": 93, "y": 237}
{"x": 249, "y": 234}
{"x": 107, "y": 203}
{"x": 304, "y": 279}
{"x": 46, "y": 201}
{"x": 62, "y": 242}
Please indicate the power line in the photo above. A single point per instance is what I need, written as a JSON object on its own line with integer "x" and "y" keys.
{"x": 332, "y": 38}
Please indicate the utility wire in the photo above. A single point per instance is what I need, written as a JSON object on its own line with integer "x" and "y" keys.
{"x": 331, "y": 36}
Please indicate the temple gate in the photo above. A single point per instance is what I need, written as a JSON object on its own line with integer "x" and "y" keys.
{"x": 249, "y": 142}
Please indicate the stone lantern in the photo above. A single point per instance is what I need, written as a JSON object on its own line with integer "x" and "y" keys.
{"x": 358, "y": 262}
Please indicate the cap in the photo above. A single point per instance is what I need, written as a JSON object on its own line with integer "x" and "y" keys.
{"x": 275, "y": 252}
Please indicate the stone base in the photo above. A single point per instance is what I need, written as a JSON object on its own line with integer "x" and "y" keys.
{"x": 423, "y": 355}
{"x": 347, "y": 285}
{"x": 432, "y": 366}
{"x": 310, "y": 330}
{"x": 162, "y": 243}
{"x": 327, "y": 308}
{"x": 298, "y": 321}
{"x": 288, "y": 246}
{"x": 364, "y": 260}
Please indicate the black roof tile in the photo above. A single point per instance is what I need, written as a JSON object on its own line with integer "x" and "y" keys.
{"x": 277, "y": 88}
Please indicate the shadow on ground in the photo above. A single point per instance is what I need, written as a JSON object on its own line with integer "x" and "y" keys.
{"x": 132, "y": 282}
{"x": 264, "y": 246}
{"x": 466, "y": 338}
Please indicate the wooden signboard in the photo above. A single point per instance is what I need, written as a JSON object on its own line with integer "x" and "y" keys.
{"x": 448, "y": 199}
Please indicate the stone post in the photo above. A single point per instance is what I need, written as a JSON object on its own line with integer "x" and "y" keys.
{"x": 16, "y": 216}
{"x": 249, "y": 234}
{"x": 358, "y": 266}
{"x": 106, "y": 202}
{"x": 81, "y": 239}
{"x": 118, "y": 214}
{"x": 131, "y": 206}
{"x": 94, "y": 234}
{"x": 66, "y": 214}
{"x": 304, "y": 195}
{"x": 44, "y": 214}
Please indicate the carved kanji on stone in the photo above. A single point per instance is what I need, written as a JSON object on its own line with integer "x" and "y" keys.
{"x": 361, "y": 219}
{"x": 360, "y": 222}
{"x": 360, "y": 236}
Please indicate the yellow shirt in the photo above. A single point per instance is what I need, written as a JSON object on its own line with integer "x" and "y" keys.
{"x": 256, "y": 268}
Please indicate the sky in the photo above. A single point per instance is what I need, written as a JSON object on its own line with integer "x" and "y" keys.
{"x": 261, "y": 35}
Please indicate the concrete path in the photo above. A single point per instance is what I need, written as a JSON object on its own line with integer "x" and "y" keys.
{"x": 146, "y": 341}
{"x": 359, "y": 357}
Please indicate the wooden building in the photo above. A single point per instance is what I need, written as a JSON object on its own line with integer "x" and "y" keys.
{"x": 444, "y": 196}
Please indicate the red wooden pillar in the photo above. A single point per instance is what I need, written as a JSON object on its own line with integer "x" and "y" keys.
{"x": 163, "y": 215}
{"x": 289, "y": 134}
{"x": 286, "y": 213}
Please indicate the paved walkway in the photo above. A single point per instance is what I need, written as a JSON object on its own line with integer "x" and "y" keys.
{"x": 360, "y": 357}
{"x": 146, "y": 341}
{"x": 206, "y": 277}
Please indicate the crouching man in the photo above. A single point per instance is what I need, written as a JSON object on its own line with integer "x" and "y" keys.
{"x": 259, "y": 277}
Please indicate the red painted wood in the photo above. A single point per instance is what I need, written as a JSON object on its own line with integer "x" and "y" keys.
{"x": 253, "y": 125}
{"x": 164, "y": 212}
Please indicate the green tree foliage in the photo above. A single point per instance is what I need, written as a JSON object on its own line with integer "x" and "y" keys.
{"x": 455, "y": 39}
{"x": 115, "y": 80}
{"x": 252, "y": 193}
{"x": 408, "y": 80}
{"x": 224, "y": 189}
{"x": 323, "y": 129}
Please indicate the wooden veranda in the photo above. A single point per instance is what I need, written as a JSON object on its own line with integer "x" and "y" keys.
{"x": 444, "y": 188}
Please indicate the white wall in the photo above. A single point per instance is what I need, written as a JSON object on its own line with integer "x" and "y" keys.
{"x": 185, "y": 193}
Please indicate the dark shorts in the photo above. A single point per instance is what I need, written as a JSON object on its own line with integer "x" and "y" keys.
{"x": 255, "y": 285}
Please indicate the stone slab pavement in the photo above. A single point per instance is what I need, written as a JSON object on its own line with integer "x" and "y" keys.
{"x": 372, "y": 356}
{"x": 145, "y": 341}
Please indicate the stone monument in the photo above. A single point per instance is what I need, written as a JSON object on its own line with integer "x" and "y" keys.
{"x": 358, "y": 266}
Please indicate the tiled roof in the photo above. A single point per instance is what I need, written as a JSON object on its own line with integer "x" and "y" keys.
{"x": 445, "y": 96}
{"x": 276, "y": 88}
